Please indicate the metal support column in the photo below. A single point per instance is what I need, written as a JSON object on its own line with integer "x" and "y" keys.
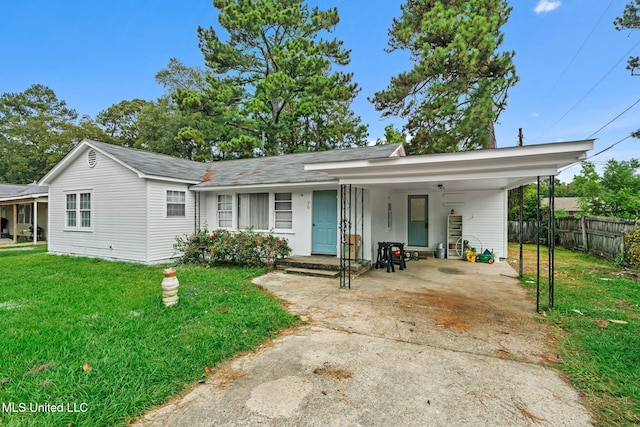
{"x": 521, "y": 232}
{"x": 538, "y": 225}
{"x": 345, "y": 230}
{"x": 351, "y": 221}
{"x": 551, "y": 242}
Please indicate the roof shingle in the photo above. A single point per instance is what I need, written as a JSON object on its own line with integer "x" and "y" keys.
{"x": 285, "y": 169}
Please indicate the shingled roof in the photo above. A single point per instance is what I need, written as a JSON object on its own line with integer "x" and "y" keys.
{"x": 21, "y": 191}
{"x": 154, "y": 164}
{"x": 287, "y": 169}
{"x": 284, "y": 169}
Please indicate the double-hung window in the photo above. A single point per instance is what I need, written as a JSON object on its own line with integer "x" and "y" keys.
{"x": 253, "y": 211}
{"x": 283, "y": 214}
{"x": 24, "y": 214}
{"x": 78, "y": 210}
{"x": 176, "y": 201}
{"x": 225, "y": 213}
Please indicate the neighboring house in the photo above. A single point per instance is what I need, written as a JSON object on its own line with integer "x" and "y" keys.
{"x": 568, "y": 204}
{"x": 23, "y": 209}
{"x": 114, "y": 202}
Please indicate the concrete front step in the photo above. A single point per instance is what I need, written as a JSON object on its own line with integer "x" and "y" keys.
{"x": 313, "y": 263}
{"x": 312, "y": 272}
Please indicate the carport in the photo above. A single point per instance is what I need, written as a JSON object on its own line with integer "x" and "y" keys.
{"x": 474, "y": 181}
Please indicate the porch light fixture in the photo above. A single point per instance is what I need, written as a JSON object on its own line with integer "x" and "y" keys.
{"x": 440, "y": 187}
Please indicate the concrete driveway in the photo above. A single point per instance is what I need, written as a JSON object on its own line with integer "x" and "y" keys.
{"x": 442, "y": 343}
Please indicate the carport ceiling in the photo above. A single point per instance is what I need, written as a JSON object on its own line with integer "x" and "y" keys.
{"x": 500, "y": 168}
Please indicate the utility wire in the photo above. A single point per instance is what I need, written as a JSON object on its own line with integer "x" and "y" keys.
{"x": 609, "y": 147}
{"x": 579, "y": 50}
{"x": 614, "y": 119}
{"x": 594, "y": 155}
{"x": 589, "y": 91}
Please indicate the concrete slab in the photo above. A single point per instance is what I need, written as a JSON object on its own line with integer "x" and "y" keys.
{"x": 442, "y": 343}
{"x": 312, "y": 272}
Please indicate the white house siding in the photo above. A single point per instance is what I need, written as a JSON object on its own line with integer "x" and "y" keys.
{"x": 163, "y": 230}
{"x": 118, "y": 210}
{"x": 379, "y": 201}
{"x": 484, "y": 216}
{"x": 486, "y": 220}
{"x": 299, "y": 237}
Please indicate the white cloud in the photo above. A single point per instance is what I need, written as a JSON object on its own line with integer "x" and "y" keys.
{"x": 546, "y": 6}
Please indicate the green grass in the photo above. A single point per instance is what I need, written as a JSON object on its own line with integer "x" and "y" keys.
{"x": 601, "y": 358}
{"x": 59, "y": 313}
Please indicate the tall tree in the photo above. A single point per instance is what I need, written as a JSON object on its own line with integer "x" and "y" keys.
{"x": 630, "y": 20}
{"x": 120, "y": 121}
{"x": 185, "y": 132}
{"x": 458, "y": 86}
{"x": 614, "y": 194}
{"x": 180, "y": 76}
{"x": 271, "y": 84}
{"x": 36, "y": 130}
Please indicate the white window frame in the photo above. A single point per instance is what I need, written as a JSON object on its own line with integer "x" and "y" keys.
{"x": 25, "y": 213}
{"x": 283, "y": 210}
{"x": 254, "y": 205}
{"x": 224, "y": 210}
{"x": 172, "y": 202}
{"x": 82, "y": 212}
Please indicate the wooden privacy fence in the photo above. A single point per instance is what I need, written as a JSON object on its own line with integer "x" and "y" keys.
{"x": 599, "y": 235}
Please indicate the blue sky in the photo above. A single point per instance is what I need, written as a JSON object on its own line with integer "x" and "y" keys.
{"x": 94, "y": 54}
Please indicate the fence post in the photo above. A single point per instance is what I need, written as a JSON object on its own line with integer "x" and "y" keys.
{"x": 583, "y": 225}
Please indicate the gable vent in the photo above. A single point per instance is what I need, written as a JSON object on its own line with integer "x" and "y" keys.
{"x": 91, "y": 158}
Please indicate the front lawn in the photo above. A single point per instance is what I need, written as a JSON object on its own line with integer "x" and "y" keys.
{"x": 597, "y": 317}
{"x": 92, "y": 337}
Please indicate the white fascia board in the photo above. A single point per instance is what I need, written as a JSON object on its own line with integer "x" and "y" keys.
{"x": 27, "y": 196}
{"x": 73, "y": 154}
{"x": 164, "y": 178}
{"x": 62, "y": 164}
{"x": 235, "y": 188}
{"x": 561, "y": 151}
{"x": 399, "y": 152}
{"x": 443, "y": 177}
{"x": 462, "y": 169}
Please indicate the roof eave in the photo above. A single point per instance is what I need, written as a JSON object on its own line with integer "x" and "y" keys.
{"x": 23, "y": 197}
{"x": 243, "y": 187}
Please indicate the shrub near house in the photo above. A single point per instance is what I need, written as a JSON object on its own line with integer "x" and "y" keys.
{"x": 244, "y": 247}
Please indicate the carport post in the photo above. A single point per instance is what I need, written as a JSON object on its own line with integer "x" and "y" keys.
{"x": 551, "y": 243}
{"x": 538, "y": 224}
{"x": 521, "y": 223}
{"x": 520, "y": 231}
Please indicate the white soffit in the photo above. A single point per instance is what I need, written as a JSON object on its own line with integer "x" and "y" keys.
{"x": 515, "y": 163}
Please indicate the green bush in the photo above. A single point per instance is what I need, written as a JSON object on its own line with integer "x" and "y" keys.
{"x": 245, "y": 247}
{"x": 632, "y": 247}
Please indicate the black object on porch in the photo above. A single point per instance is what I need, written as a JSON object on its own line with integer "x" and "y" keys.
{"x": 386, "y": 258}
{"x": 4, "y": 228}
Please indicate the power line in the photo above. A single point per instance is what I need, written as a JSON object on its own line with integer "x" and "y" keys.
{"x": 597, "y": 154}
{"x": 614, "y": 119}
{"x": 589, "y": 91}
{"x": 579, "y": 50}
{"x": 609, "y": 147}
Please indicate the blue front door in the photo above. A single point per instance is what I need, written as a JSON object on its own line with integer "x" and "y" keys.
{"x": 324, "y": 237}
